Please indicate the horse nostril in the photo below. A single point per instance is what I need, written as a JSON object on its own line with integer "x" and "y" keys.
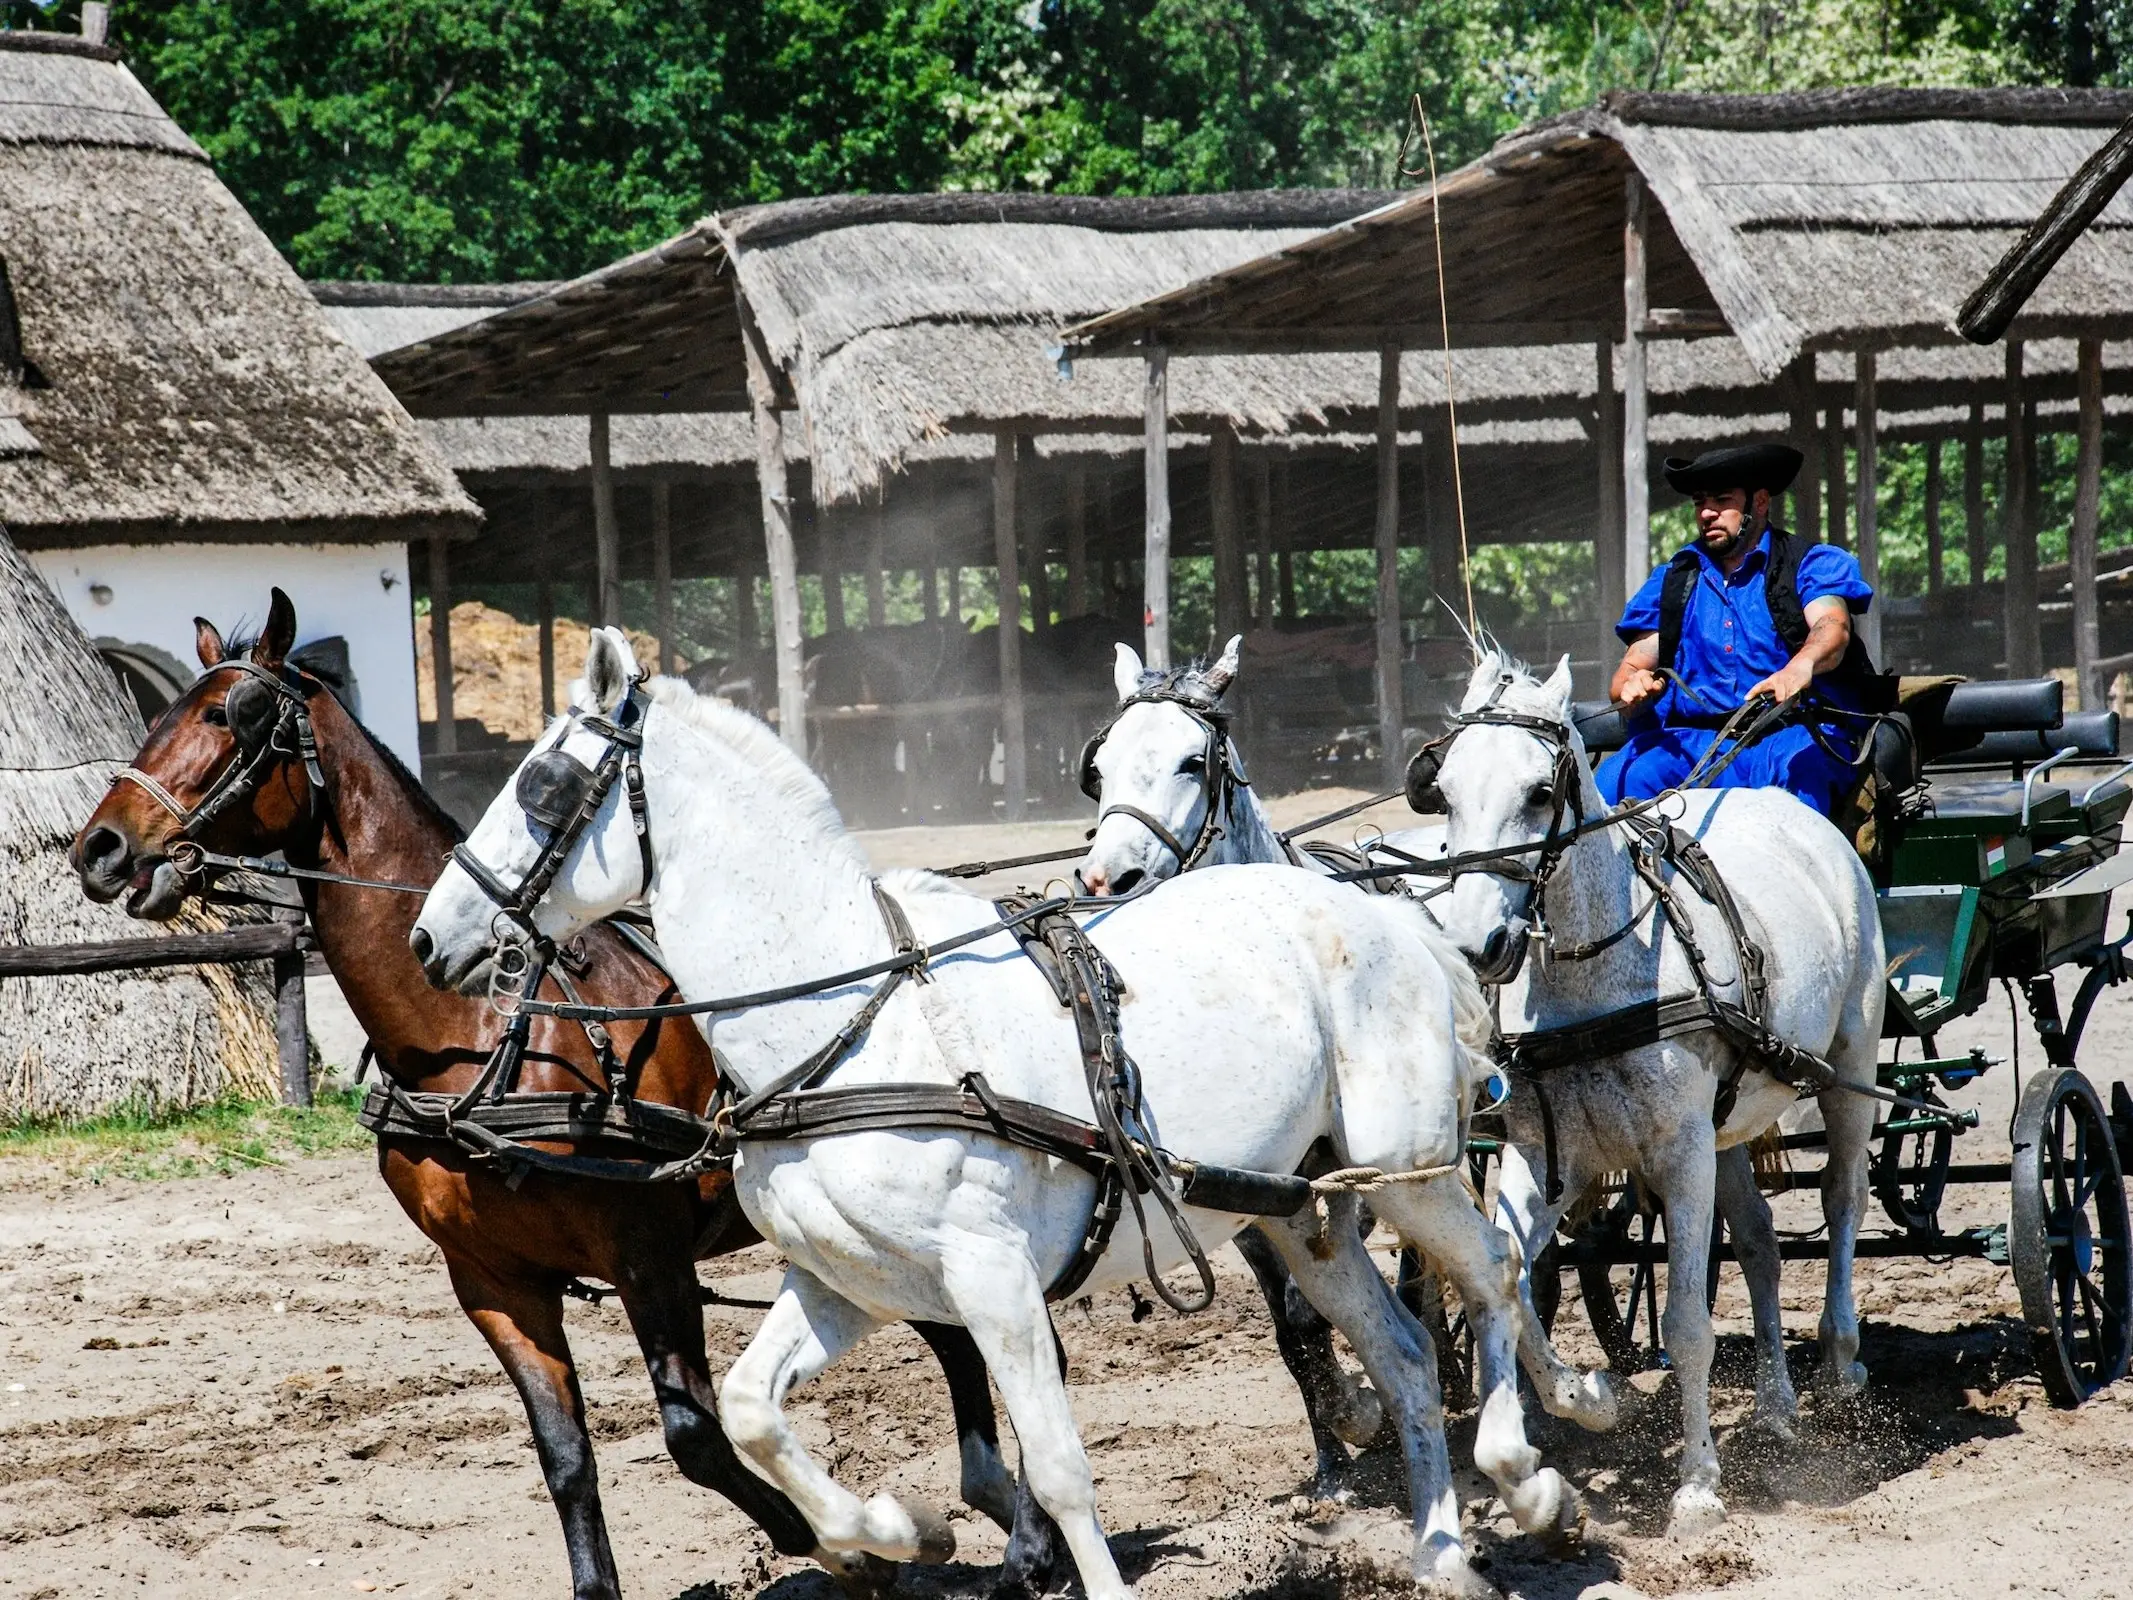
{"x": 1129, "y": 880}
{"x": 423, "y": 946}
{"x": 1095, "y": 882}
{"x": 103, "y": 849}
{"x": 1492, "y": 947}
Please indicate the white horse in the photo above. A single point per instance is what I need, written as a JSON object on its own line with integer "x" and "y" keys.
{"x": 1806, "y": 900}
{"x": 1161, "y": 760}
{"x": 1270, "y": 1014}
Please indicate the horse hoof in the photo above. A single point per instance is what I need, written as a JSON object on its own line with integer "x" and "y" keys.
{"x": 1697, "y": 1510}
{"x": 1843, "y": 1383}
{"x": 859, "y": 1575}
{"x": 1775, "y": 1422}
{"x": 1591, "y": 1403}
{"x": 1360, "y": 1420}
{"x": 1549, "y": 1509}
{"x": 936, "y": 1539}
{"x": 1460, "y": 1583}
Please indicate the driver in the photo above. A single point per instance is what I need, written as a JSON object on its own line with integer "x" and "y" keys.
{"x": 1746, "y": 609}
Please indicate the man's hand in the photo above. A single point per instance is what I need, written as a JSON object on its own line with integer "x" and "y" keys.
{"x": 1638, "y": 687}
{"x": 1787, "y": 681}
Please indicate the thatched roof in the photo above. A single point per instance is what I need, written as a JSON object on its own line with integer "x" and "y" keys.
{"x": 77, "y": 1046}
{"x": 182, "y": 383}
{"x": 1828, "y": 219}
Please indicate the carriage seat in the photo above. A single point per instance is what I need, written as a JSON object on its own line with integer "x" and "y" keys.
{"x": 2093, "y": 734}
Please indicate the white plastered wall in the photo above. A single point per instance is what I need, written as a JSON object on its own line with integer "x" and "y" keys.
{"x": 149, "y": 595}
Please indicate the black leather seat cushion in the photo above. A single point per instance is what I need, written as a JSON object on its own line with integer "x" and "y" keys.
{"x": 1599, "y": 725}
{"x": 2091, "y": 733}
{"x": 2015, "y": 705}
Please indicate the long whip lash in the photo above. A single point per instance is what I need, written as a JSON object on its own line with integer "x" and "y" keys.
{"x": 1444, "y": 321}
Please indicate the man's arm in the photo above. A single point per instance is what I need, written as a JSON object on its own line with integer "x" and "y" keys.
{"x": 1829, "y": 633}
{"x": 1637, "y": 681}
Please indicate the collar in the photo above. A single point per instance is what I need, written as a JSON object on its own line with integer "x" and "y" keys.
{"x": 1758, "y": 558}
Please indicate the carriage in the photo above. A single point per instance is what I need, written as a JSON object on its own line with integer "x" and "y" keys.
{"x": 1995, "y": 860}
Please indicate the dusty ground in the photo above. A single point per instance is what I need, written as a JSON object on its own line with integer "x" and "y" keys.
{"x": 260, "y": 1385}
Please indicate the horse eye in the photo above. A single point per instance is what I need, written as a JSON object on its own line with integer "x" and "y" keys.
{"x": 1539, "y": 795}
{"x": 215, "y": 715}
{"x": 1194, "y": 764}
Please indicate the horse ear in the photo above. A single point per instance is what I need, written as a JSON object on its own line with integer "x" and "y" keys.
{"x": 610, "y": 668}
{"x": 1126, "y": 673}
{"x": 1218, "y": 677}
{"x": 1482, "y": 680}
{"x": 278, "y": 636}
{"x": 207, "y": 642}
{"x": 1557, "y": 688}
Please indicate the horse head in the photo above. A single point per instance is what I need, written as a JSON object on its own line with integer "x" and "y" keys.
{"x": 1163, "y": 769}
{"x": 216, "y": 769}
{"x": 558, "y": 849}
{"x": 1508, "y": 778}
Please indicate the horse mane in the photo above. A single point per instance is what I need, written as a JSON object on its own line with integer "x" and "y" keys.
{"x": 759, "y": 745}
{"x": 1189, "y": 680}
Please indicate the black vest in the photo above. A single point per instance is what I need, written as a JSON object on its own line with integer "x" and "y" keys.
{"x": 1781, "y": 593}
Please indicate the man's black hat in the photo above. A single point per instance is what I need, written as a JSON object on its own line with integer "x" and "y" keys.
{"x": 1737, "y": 466}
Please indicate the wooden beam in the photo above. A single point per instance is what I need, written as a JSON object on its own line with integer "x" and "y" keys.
{"x": 1807, "y": 487}
{"x": 1835, "y": 474}
{"x": 833, "y": 620}
{"x": 1155, "y": 471}
{"x": 447, "y": 739}
{"x": 1866, "y": 407}
{"x": 1036, "y": 571}
{"x": 1359, "y": 337}
{"x": 255, "y": 942}
{"x": 778, "y": 551}
{"x": 1263, "y": 526}
{"x": 876, "y": 574}
{"x": 1636, "y": 400}
{"x": 2007, "y": 288}
{"x": 1392, "y": 718}
{"x": 663, "y": 572}
{"x": 544, "y": 600}
{"x": 747, "y": 624}
{"x": 1977, "y": 544}
{"x": 929, "y": 593}
{"x": 607, "y": 532}
{"x": 1077, "y": 539}
{"x": 2081, "y": 545}
{"x": 292, "y": 1033}
{"x": 1006, "y": 558}
{"x": 2025, "y": 649}
{"x": 1284, "y": 546}
{"x": 1610, "y": 558}
{"x": 1232, "y": 596}
{"x": 1936, "y": 561}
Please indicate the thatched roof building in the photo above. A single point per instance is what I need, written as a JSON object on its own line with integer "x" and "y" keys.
{"x": 78, "y": 1046}
{"x": 163, "y": 372}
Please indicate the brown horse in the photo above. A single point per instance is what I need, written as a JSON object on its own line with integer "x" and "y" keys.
{"x": 510, "y": 1248}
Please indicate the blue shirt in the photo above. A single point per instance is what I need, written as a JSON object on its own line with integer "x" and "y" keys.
{"x": 1728, "y": 642}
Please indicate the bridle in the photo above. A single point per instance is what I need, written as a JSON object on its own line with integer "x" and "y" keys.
{"x": 268, "y": 723}
{"x": 1221, "y": 771}
{"x": 561, "y": 796}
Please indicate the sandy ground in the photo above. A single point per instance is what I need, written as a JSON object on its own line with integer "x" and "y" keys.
{"x": 260, "y": 1385}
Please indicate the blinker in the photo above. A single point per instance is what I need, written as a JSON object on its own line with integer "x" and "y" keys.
{"x": 552, "y": 787}
{"x": 1423, "y": 794}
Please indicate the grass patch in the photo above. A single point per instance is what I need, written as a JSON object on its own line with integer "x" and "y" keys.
{"x": 220, "y": 1138}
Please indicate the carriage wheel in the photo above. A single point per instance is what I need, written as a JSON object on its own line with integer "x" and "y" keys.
{"x": 1911, "y": 1171}
{"x": 1623, "y": 1304}
{"x": 2067, "y": 1236}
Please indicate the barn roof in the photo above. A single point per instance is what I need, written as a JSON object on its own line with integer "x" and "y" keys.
{"x": 180, "y": 383}
{"x": 1824, "y": 219}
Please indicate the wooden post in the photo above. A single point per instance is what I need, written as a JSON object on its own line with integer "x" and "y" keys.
{"x": 1232, "y": 601}
{"x": 1936, "y": 559}
{"x": 1077, "y": 538}
{"x": 607, "y": 533}
{"x": 1834, "y": 474}
{"x": 1284, "y": 546}
{"x": 1977, "y": 546}
{"x": 1155, "y": 468}
{"x": 2081, "y": 546}
{"x": 832, "y": 577}
{"x": 1807, "y": 487}
{"x": 1392, "y": 719}
{"x": 1036, "y": 571}
{"x": 1867, "y": 406}
{"x": 292, "y": 1031}
{"x": 663, "y": 571}
{"x": 747, "y": 625}
{"x": 544, "y": 598}
{"x": 447, "y": 740}
{"x": 2025, "y": 652}
{"x": 1610, "y": 559}
{"x": 877, "y": 566}
{"x": 952, "y": 598}
{"x": 929, "y": 593}
{"x": 1006, "y": 559}
{"x": 1263, "y": 526}
{"x": 1636, "y": 396}
{"x": 777, "y": 542}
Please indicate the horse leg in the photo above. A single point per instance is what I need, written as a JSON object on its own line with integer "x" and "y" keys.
{"x": 1525, "y": 1214}
{"x": 808, "y": 1328}
{"x": 1755, "y": 1245}
{"x": 524, "y": 1326}
{"x": 1396, "y": 1353}
{"x": 995, "y": 1290}
{"x": 1478, "y": 1258}
{"x": 1688, "y": 1181}
{"x": 666, "y": 1313}
{"x": 1305, "y": 1340}
{"x": 1850, "y": 1121}
{"x": 987, "y": 1484}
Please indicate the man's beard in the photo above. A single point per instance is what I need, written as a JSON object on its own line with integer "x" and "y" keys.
{"x": 1719, "y": 543}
